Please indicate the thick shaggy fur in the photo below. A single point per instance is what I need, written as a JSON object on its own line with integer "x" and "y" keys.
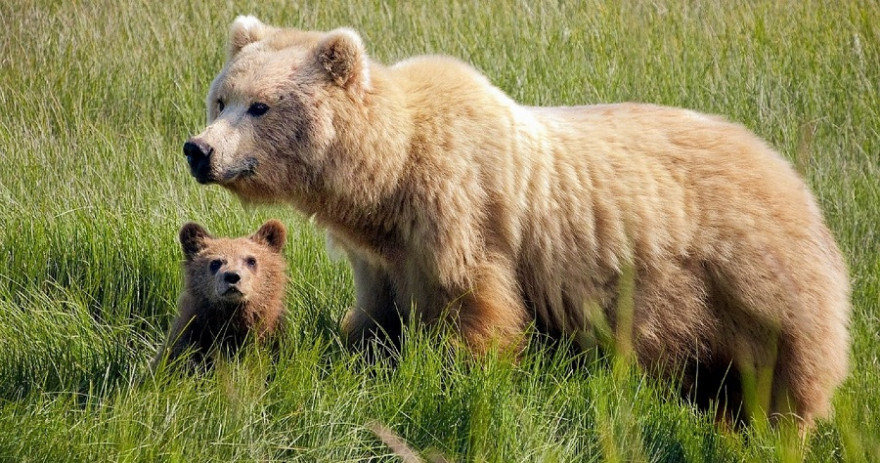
{"x": 233, "y": 289}
{"x": 451, "y": 199}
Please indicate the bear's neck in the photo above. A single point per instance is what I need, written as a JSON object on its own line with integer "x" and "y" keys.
{"x": 413, "y": 164}
{"x": 367, "y": 206}
{"x": 241, "y": 315}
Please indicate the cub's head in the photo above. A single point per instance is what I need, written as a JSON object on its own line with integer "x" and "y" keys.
{"x": 273, "y": 109}
{"x": 234, "y": 270}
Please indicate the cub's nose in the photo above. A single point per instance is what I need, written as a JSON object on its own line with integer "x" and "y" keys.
{"x": 231, "y": 277}
{"x": 198, "y": 155}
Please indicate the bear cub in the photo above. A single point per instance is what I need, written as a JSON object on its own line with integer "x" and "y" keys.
{"x": 234, "y": 288}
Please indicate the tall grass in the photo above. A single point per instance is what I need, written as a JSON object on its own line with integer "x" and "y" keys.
{"x": 96, "y": 99}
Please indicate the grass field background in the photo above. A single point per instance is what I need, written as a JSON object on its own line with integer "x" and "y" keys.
{"x": 96, "y": 99}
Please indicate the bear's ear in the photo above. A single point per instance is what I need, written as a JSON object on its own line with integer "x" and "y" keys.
{"x": 245, "y": 30}
{"x": 192, "y": 239}
{"x": 342, "y": 55}
{"x": 272, "y": 235}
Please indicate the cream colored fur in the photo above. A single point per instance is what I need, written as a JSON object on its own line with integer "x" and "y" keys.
{"x": 450, "y": 199}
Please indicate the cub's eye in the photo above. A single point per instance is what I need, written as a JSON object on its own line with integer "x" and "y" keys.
{"x": 258, "y": 109}
{"x": 215, "y": 265}
{"x": 220, "y": 105}
{"x": 251, "y": 262}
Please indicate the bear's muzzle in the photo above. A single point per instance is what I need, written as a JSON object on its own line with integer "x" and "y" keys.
{"x": 198, "y": 155}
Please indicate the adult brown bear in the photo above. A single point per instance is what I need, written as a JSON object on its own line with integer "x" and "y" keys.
{"x": 450, "y": 198}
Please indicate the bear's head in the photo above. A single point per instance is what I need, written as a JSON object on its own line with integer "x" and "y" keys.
{"x": 274, "y": 111}
{"x": 234, "y": 271}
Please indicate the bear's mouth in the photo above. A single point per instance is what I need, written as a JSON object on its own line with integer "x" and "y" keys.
{"x": 245, "y": 168}
{"x": 232, "y": 294}
{"x": 232, "y": 291}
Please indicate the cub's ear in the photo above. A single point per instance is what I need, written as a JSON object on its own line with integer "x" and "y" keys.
{"x": 342, "y": 55}
{"x": 245, "y": 30}
{"x": 192, "y": 239}
{"x": 272, "y": 235}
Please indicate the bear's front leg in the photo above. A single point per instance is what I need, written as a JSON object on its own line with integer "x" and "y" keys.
{"x": 492, "y": 314}
{"x": 375, "y": 315}
{"x": 180, "y": 338}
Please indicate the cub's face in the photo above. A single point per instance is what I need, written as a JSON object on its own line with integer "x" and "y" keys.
{"x": 271, "y": 110}
{"x": 233, "y": 270}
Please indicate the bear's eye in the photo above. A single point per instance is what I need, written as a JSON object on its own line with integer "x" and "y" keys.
{"x": 220, "y": 105}
{"x": 251, "y": 262}
{"x": 215, "y": 265}
{"x": 258, "y": 109}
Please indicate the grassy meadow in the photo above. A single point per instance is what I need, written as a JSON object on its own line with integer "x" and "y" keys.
{"x": 97, "y": 98}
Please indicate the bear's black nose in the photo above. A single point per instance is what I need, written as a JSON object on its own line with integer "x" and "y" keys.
{"x": 198, "y": 155}
{"x": 231, "y": 277}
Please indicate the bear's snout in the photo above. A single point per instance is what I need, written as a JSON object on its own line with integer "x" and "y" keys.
{"x": 198, "y": 155}
{"x": 231, "y": 277}
{"x": 231, "y": 286}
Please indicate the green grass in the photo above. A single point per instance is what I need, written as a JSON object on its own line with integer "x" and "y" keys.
{"x": 96, "y": 99}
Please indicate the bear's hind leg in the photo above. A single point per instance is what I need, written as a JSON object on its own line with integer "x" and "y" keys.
{"x": 787, "y": 330}
{"x": 806, "y": 374}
